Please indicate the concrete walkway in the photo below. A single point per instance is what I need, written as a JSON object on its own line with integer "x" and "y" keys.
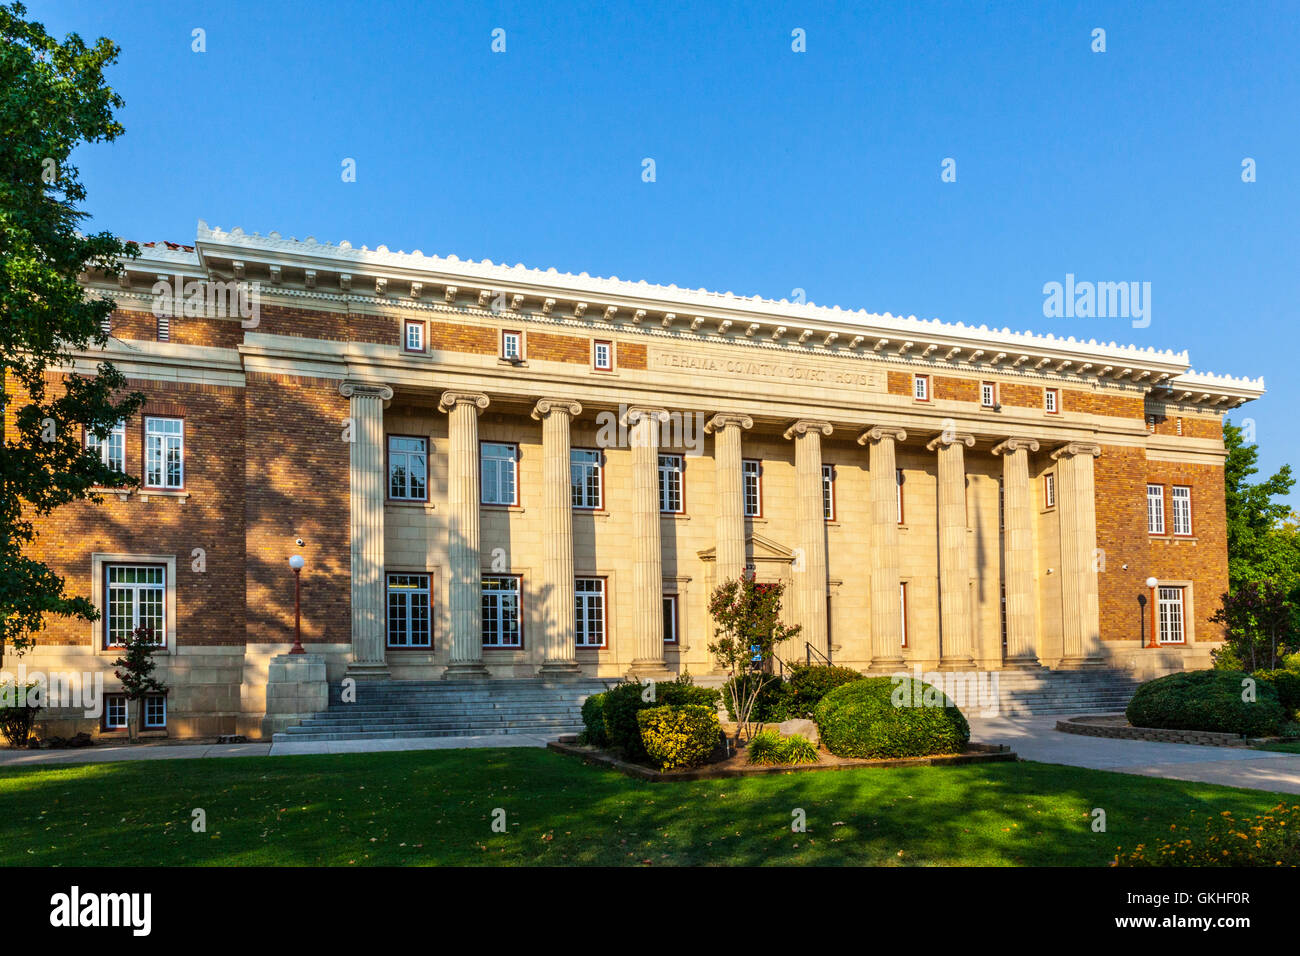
{"x": 1036, "y": 738}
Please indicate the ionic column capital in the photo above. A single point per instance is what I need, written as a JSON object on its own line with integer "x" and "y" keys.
{"x": 943, "y": 439}
{"x": 805, "y": 426}
{"x": 1015, "y": 444}
{"x": 1070, "y": 449}
{"x": 545, "y": 406}
{"x": 452, "y": 398}
{"x": 634, "y": 414}
{"x": 724, "y": 419}
{"x": 881, "y": 432}
{"x": 351, "y": 388}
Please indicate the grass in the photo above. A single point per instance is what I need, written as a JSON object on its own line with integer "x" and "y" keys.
{"x": 436, "y": 808}
{"x": 1287, "y": 746}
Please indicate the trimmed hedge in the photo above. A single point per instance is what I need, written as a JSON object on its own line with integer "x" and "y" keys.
{"x": 623, "y": 703}
{"x": 593, "y": 719}
{"x": 809, "y": 683}
{"x": 860, "y": 719}
{"x": 1206, "y": 700}
{"x": 679, "y": 736}
{"x": 1287, "y": 684}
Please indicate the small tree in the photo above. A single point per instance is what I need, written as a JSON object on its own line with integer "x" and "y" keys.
{"x": 747, "y": 616}
{"x": 1259, "y": 621}
{"x": 135, "y": 671}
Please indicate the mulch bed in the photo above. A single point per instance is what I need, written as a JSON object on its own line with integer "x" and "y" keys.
{"x": 736, "y": 765}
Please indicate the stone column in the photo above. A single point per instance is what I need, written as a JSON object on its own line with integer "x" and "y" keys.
{"x": 886, "y": 610}
{"x": 954, "y": 551}
{"x": 1076, "y": 507}
{"x": 464, "y": 571}
{"x": 730, "y": 482}
{"x": 366, "y": 480}
{"x": 648, "y": 562}
{"x": 560, "y": 637}
{"x": 809, "y": 570}
{"x": 1018, "y": 552}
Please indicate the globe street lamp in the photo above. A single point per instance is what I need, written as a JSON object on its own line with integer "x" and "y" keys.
{"x": 1151, "y": 583}
{"x": 296, "y": 562}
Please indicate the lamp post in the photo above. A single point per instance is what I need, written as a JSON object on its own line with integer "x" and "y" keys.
{"x": 1151, "y": 583}
{"x": 296, "y": 562}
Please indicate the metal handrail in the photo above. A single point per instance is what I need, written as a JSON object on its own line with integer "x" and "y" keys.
{"x": 812, "y": 650}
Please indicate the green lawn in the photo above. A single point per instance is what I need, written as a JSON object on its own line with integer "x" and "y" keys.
{"x": 435, "y": 807}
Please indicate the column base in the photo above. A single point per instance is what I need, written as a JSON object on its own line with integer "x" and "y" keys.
{"x": 466, "y": 670}
{"x": 887, "y": 665}
{"x": 956, "y": 664}
{"x": 1023, "y": 664}
{"x": 654, "y": 670}
{"x": 1080, "y": 664}
{"x": 559, "y": 669}
{"x": 368, "y": 670}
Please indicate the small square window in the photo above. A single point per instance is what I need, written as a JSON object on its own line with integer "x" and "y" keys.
{"x": 155, "y": 712}
{"x": 988, "y": 394}
{"x": 413, "y": 336}
{"x": 512, "y": 346}
{"x": 115, "y": 712}
{"x": 602, "y": 356}
{"x": 921, "y": 388}
{"x": 1051, "y": 401}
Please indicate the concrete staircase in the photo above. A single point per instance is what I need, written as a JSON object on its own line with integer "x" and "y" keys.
{"x": 1041, "y": 693}
{"x": 448, "y": 708}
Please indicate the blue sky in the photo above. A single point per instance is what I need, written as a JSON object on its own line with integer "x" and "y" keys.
{"x": 775, "y": 170}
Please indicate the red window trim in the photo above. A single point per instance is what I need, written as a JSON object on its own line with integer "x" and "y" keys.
{"x": 1057, "y": 393}
{"x": 682, "y": 472}
{"x": 144, "y": 452}
{"x": 835, "y": 505}
{"x": 522, "y": 621}
{"x": 1049, "y": 482}
{"x": 433, "y": 619}
{"x": 588, "y": 508}
{"x": 1166, "y": 519}
{"x": 424, "y": 336}
{"x": 677, "y": 617}
{"x": 994, "y": 386}
{"x": 1169, "y": 513}
{"x": 903, "y": 586}
{"x": 1155, "y": 613}
{"x": 929, "y": 387}
{"x": 902, "y": 499}
{"x": 496, "y": 504}
{"x": 104, "y": 644}
{"x": 501, "y": 354}
{"x": 103, "y": 719}
{"x": 604, "y": 593}
{"x": 388, "y": 484}
{"x": 612, "y": 360}
{"x": 757, "y": 461}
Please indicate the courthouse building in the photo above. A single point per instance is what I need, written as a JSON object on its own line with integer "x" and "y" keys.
{"x": 497, "y": 470}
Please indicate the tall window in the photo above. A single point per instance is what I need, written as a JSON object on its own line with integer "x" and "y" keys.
{"x": 408, "y": 611}
{"x": 1049, "y": 490}
{"x": 512, "y": 346}
{"x": 586, "y": 483}
{"x": 902, "y": 610}
{"x": 414, "y": 336}
{"x": 898, "y": 492}
{"x": 501, "y": 612}
{"x": 921, "y": 388}
{"x": 164, "y": 453}
{"x": 408, "y": 468}
{"x": 1180, "y": 499}
{"x": 164, "y": 328}
{"x": 499, "y": 463}
{"x": 1169, "y": 602}
{"x": 670, "y": 619}
{"x": 828, "y": 492}
{"x": 752, "y": 473}
{"x": 1051, "y": 400}
{"x": 670, "y": 484}
{"x": 137, "y": 595}
{"x": 589, "y": 611}
{"x": 111, "y": 450}
{"x": 1155, "y": 509}
{"x": 602, "y": 356}
{"x": 988, "y": 394}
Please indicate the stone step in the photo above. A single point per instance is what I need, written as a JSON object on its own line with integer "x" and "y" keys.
{"x": 288, "y": 737}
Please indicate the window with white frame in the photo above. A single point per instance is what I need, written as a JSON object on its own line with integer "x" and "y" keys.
{"x": 512, "y": 346}
{"x": 499, "y": 470}
{"x": 902, "y": 610}
{"x": 1155, "y": 509}
{"x": 586, "y": 483}
{"x": 409, "y": 611}
{"x": 164, "y": 453}
{"x": 154, "y": 712}
{"x": 414, "y": 336}
{"x": 828, "y": 492}
{"x": 114, "y": 712}
{"x": 1051, "y": 400}
{"x": 589, "y": 611}
{"x": 670, "y": 484}
{"x": 1049, "y": 490}
{"x": 111, "y": 450}
{"x": 752, "y": 474}
{"x": 164, "y": 328}
{"x": 602, "y": 356}
{"x": 1171, "y": 617}
{"x": 898, "y": 492}
{"x": 408, "y": 468}
{"x": 670, "y": 619}
{"x": 501, "y": 612}
{"x": 1180, "y": 500}
{"x": 988, "y": 394}
{"x": 136, "y": 597}
{"x": 921, "y": 388}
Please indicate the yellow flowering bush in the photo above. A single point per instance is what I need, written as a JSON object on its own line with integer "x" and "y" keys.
{"x": 681, "y": 736}
{"x": 1270, "y": 839}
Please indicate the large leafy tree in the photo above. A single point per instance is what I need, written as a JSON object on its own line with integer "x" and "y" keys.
{"x": 53, "y": 98}
{"x": 1263, "y": 543}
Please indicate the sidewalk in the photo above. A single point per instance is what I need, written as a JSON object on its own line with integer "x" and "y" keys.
{"x": 1036, "y": 738}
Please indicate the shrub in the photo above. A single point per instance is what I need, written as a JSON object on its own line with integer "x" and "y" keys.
{"x": 799, "y": 749}
{"x": 1287, "y": 684}
{"x": 770, "y": 703}
{"x": 1206, "y": 700}
{"x": 769, "y": 748}
{"x": 764, "y": 747}
{"x": 593, "y": 719}
{"x": 679, "y": 736}
{"x": 808, "y": 684}
{"x": 18, "y": 710}
{"x": 1225, "y": 658}
{"x": 622, "y": 704}
{"x": 862, "y": 719}
{"x": 1270, "y": 839}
